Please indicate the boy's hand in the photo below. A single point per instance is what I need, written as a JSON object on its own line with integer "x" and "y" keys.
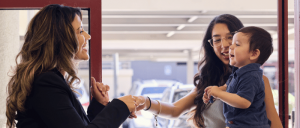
{"x": 207, "y": 88}
{"x": 213, "y": 91}
{"x": 205, "y": 98}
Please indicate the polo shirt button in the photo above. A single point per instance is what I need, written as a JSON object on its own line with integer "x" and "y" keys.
{"x": 230, "y": 122}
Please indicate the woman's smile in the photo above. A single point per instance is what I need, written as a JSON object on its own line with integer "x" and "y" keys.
{"x": 84, "y": 47}
{"x": 225, "y": 55}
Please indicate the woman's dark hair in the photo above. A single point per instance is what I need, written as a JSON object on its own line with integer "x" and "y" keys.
{"x": 212, "y": 71}
{"x": 50, "y": 42}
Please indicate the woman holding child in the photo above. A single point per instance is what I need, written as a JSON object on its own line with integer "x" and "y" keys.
{"x": 214, "y": 69}
{"x": 243, "y": 94}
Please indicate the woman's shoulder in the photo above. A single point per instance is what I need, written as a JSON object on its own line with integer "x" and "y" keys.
{"x": 54, "y": 73}
{"x": 49, "y": 82}
{"x": 51, "y": 77}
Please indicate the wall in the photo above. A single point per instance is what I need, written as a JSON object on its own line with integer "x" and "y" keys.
{"x": 145, "y": 70}
{"x": 9, "y": 47}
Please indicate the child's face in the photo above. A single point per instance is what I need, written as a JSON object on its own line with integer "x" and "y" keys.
{"x": 239, "y": 50}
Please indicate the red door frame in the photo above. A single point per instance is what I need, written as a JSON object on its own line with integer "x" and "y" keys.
{"x": 283, "y": 61}
{"x": 95, "y": 27}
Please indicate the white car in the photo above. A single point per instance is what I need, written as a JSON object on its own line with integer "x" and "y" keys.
{"x": 171, "y": 95}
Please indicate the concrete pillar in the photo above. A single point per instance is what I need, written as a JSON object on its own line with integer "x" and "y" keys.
{"x": 116, "y": 72}
{"x": 190, "y": 68}
{"x": 9, "y": 47}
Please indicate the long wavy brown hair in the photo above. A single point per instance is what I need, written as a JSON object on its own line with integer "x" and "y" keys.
{"x": 50, "y": 42}
{"x": 212, "y": 71}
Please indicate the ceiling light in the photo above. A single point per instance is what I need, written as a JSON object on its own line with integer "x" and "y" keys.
{"x": 192, "y": 19}
{"x": 204, "y": 11}
{"x": 170, "y": 34}
{"x": 185, "y": 51}
{"x": 180, "y": 27}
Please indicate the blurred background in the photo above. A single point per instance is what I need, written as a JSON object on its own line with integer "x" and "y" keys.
{"x": 152, "y": 47}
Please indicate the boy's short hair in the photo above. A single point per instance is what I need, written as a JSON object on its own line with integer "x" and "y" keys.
{"x": 259, "y": 39}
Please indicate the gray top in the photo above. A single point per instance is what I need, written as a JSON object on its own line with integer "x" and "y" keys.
{"x": 213, "y": 116}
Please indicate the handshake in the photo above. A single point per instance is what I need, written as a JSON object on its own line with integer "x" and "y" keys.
{"x": 134, "y": 103}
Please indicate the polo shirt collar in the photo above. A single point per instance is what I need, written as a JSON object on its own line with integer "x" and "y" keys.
{"x": 250, "y": 67}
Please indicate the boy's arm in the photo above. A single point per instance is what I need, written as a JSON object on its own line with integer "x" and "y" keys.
{"x": 234, "y": 100}
{"x": 231, "y": 99}
{"x": 224, "y": 87}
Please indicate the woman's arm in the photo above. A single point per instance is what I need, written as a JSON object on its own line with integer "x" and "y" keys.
{"x": 270, "y": 107}
{"x": 171, "y": 110}
{"x": 56, "y": 106}
{"x": 94, "y": 109}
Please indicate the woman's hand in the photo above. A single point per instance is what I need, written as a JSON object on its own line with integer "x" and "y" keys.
{"x": 100, "y": 91}
{"x": 142, "y": 104}
{"x": 130, "y": 102}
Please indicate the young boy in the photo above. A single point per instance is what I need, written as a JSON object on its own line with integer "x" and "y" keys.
{"x": 243, "y": 98}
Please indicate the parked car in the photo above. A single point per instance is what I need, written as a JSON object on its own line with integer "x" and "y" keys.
{"x": 152, "y": 88}
{"x": 171, "y": 95}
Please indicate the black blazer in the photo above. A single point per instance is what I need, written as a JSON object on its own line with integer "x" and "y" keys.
{"x": 52, "y": 104}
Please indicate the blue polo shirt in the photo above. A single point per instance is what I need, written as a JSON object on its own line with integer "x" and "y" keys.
{"x": 248, "y": 83}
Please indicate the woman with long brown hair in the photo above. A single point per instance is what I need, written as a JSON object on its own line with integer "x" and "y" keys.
{"x": 41, "y": 91}
{"x": 214, "y": 69}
